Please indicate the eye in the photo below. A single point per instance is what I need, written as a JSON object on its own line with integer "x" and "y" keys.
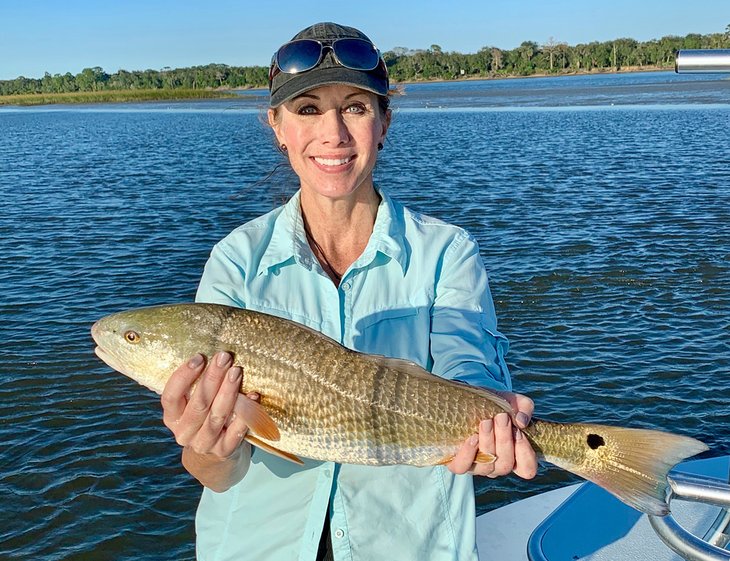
{"x": 132, "y": 337}
{"x": 355, "y": 108}
{"x": 307, "y": 110}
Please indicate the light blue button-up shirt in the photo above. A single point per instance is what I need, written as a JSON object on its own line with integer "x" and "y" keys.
{"x": 418, "y": 292}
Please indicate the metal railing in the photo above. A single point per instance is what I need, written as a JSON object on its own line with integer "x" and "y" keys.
{"x": 690, "y": 61}
{"x": 711, "y": 547}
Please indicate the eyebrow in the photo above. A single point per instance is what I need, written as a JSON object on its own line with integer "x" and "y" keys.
{"x": 312, "y": 96}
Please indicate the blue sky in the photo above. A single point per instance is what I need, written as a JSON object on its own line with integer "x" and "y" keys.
{"x": 59, "y": 36}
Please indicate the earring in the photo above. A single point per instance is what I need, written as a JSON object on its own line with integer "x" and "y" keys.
{"x": 282, "y": 147}
{"x": 380, "y": 146}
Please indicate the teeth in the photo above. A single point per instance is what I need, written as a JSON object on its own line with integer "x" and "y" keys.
{"x": 328, "y": 162}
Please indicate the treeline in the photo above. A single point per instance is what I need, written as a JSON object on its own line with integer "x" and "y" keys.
{"x": 404, "y": 65}
{"x": 95, "y": 79}
{"x": 552, "y": 57}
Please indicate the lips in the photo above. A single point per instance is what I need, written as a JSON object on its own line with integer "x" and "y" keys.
{"x": 332, "y": 162}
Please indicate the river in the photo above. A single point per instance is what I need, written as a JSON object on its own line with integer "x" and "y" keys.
{"x": 601, "y": 205}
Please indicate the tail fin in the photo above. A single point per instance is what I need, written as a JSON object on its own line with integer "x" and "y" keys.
{"x": 632, "y": 464}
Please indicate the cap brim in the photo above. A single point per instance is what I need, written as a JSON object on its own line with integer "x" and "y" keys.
{"x": 300, "y": 83}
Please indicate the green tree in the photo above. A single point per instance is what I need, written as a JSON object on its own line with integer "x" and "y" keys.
{"x": 91, "y": 79}
{"x": 526, "y": 53}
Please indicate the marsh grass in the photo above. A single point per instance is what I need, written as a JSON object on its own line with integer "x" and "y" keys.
{"x": 110, "y": 96}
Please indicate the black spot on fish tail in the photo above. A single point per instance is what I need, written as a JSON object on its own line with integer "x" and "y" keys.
{"x": 595, "y": 441}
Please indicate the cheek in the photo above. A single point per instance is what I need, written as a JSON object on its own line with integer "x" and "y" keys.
{"x": 295, "y": 138}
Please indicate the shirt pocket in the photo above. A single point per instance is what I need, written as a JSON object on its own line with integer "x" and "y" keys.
{"x": 396, "y": 332}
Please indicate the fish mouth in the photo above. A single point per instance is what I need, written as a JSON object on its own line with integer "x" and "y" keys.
{"x": 109, "y": 360}
{"x": 105, "y": 356}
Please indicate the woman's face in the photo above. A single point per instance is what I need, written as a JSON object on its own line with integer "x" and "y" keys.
{"x": 331, "y": 135}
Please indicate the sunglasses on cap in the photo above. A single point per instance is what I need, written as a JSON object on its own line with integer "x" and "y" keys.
{"x": 305, "y": 54}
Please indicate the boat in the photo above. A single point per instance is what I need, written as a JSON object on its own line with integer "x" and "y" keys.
{"x": 584, "y": 522}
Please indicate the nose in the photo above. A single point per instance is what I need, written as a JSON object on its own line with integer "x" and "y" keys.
{"x": 334, "y": 129}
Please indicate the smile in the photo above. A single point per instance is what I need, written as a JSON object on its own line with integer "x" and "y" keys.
{"x": 333, "y": 162}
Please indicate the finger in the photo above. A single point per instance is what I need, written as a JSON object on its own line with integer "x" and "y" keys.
{"x": 465, "y": 456}
{"x": 504, "y": 445}
{"x": 235, "y": 432}
{"x": 174, "y": 396}
{"x": 199, "y": 403}
{"x": 221, "y": 409}
{"x": 240, "y": 406}
{"x": 522, "y": 406}
{"x": 525, "y": 409}
{"x": 525, "y": 457}
{"x": 486, "y": 444}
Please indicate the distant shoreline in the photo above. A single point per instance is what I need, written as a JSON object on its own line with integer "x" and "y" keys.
{"x": 132, "y": 96}
{"x": 112, "y": 96}
{"x": 625, "y": 70}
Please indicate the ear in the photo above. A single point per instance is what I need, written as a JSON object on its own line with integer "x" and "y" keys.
{"x": 274, "y": 123}
{"x": 386, "y": 125}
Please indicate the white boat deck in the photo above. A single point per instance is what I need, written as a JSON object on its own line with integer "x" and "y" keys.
{"x": 585, "y": 522}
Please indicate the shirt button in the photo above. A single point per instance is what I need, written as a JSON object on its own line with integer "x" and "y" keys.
{"x": 339, "y": 533}
{"x": 347, "y": 285}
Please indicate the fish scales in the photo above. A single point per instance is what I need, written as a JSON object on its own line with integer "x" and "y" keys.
{"x": 365, "y": 410}
{"x": 334, "y": 404}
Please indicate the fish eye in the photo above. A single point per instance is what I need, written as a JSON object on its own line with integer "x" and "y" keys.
{"x": 132, "y": 337}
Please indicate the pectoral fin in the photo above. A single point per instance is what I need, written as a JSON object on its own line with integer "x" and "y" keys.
{"x": 484, "y": 458}
{"x": 258, "y": 420}
{"x": 481, "y": 458}
{"x": 271, "y": 450}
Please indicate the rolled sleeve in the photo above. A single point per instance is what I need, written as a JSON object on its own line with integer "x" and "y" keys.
{"x": 465, "y": 342}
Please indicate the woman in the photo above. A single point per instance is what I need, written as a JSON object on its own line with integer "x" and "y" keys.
{"x": 342, "y": 257}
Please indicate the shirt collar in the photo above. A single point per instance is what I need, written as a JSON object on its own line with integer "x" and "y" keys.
{"x": 388, "y": 235}
{"x": 288, "y": 241}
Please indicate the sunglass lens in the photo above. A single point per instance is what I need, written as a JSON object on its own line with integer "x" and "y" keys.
{"x": 298, "y": 56}
{"x": 356, "y": 53}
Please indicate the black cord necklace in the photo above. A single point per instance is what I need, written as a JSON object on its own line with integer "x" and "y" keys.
{"x": 319, "y": 254}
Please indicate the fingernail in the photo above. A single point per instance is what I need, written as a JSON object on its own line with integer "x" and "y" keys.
{"x": 474, "y": 440}
{"x": 487, "y": 425}
{"x": 196, "y": 361}
{"x": 518, "y": 435}
{"x": 223, "y": 358}
{"x": 253, "y": 395}
{"x": 501, "y": 420}
{"x": 522, "y": 419}
{"x": 235, "y": 373}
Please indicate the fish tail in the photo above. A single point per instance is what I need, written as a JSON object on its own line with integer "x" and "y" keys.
{"x": 632, "y": 464}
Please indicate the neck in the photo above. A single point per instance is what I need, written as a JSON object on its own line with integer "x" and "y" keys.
{"x": 338, "y": 230}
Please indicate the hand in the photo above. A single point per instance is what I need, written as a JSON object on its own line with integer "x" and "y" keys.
{"x": 499, "y": 437}
{"x": 206, "y": 422}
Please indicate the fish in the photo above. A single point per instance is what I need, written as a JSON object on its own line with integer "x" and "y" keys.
{"x": 323, "y": 401}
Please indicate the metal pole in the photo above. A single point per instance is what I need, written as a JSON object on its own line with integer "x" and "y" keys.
{"x": 682, "y": 542}
{"x": 702, "y": 61}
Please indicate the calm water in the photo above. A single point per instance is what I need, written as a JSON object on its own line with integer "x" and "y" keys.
{"x": 602, "y": 206}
